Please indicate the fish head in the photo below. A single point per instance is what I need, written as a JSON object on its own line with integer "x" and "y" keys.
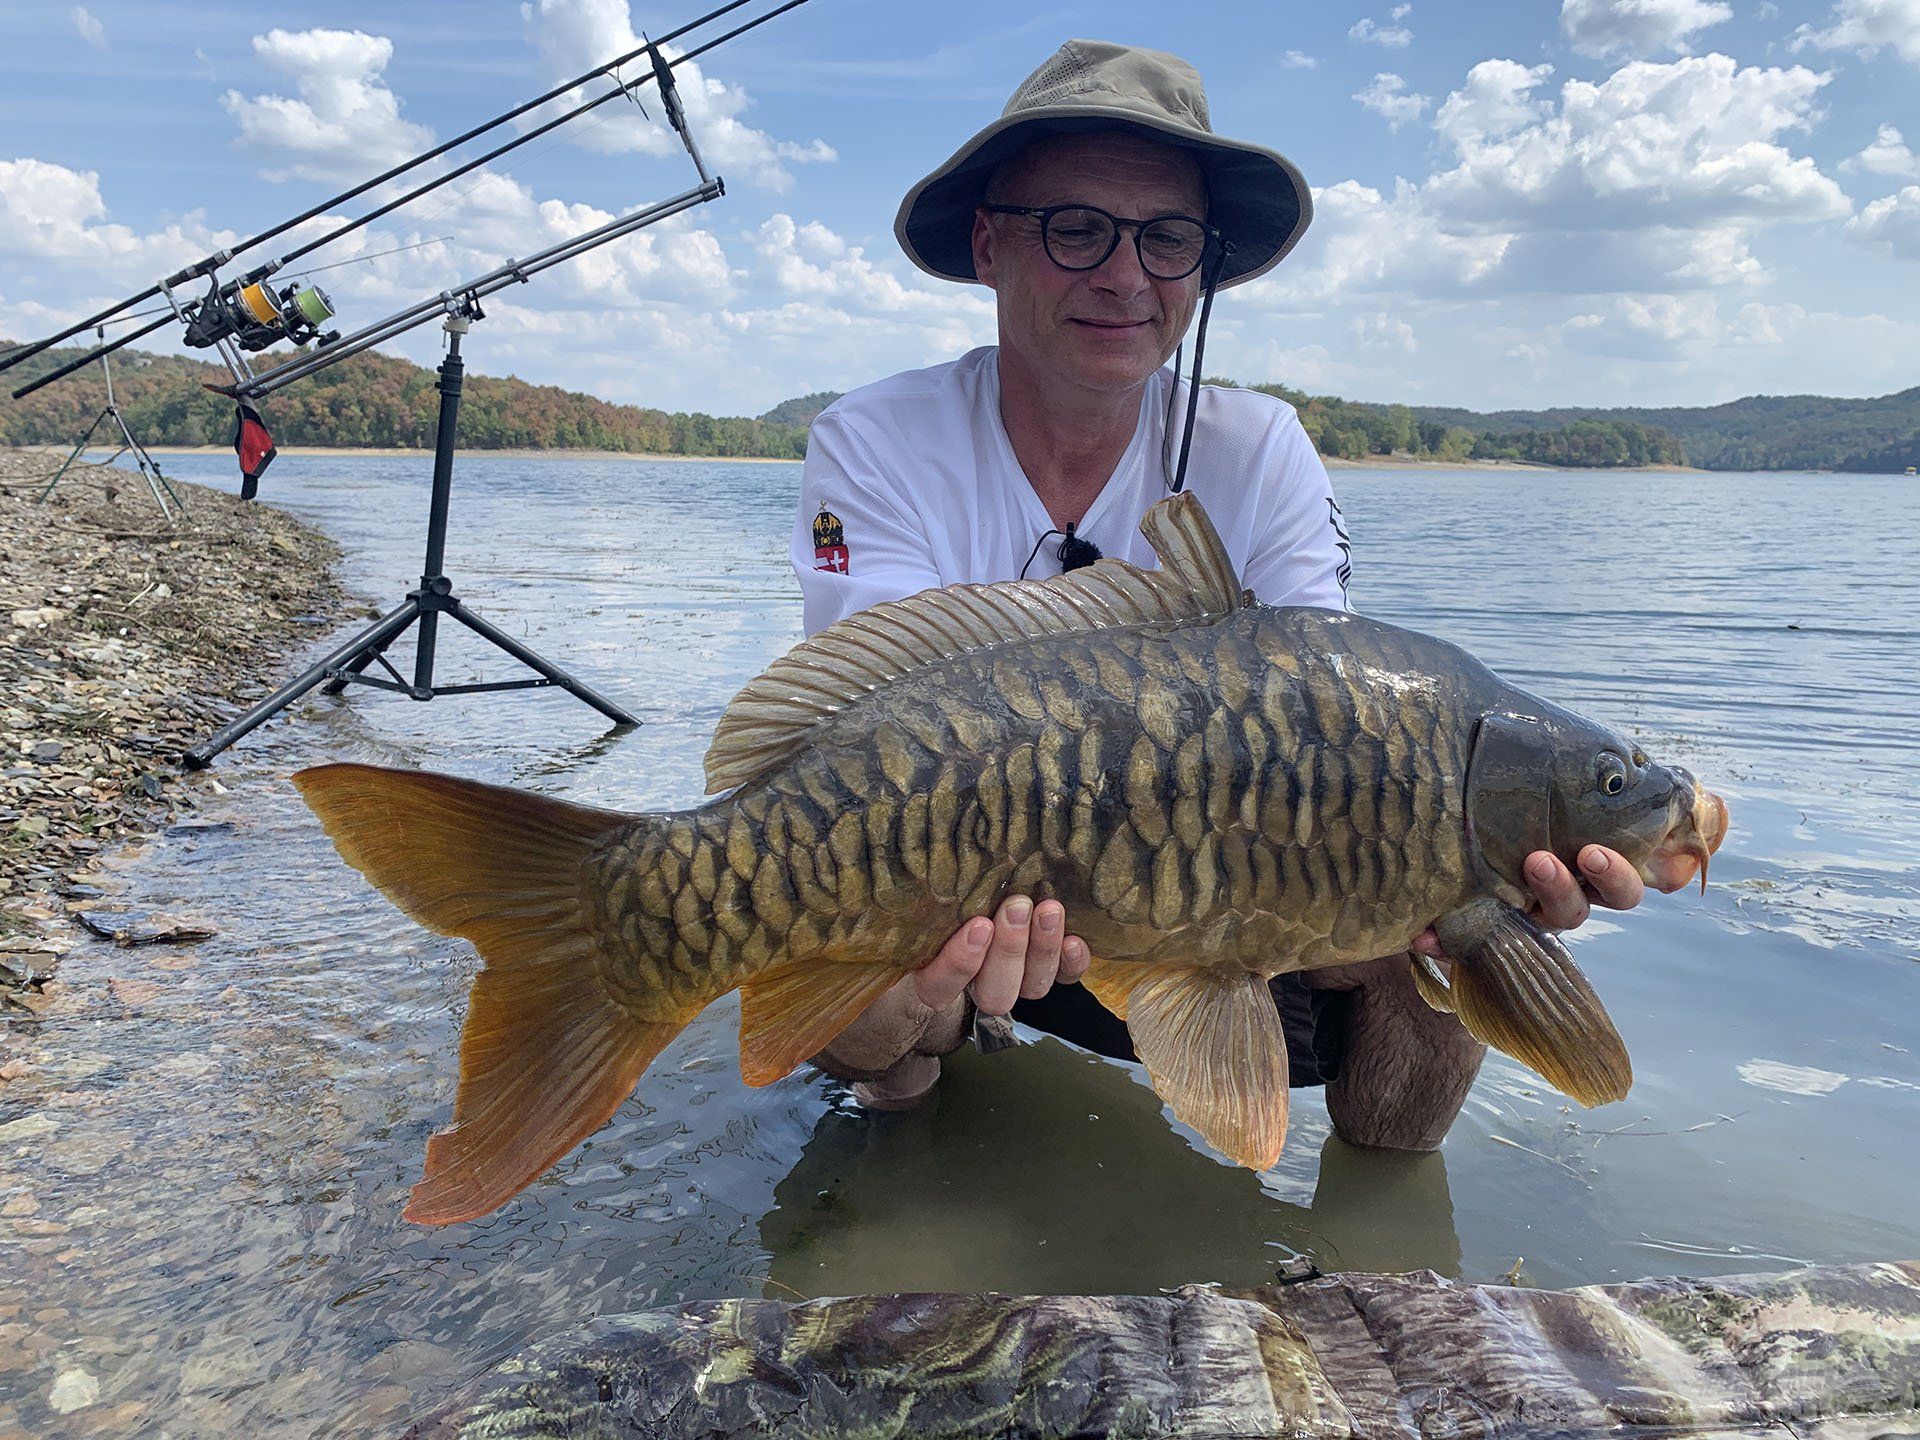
{"x": 1547, "y": 779}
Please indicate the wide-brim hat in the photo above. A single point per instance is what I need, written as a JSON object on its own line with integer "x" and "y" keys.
{"x": 1255, "y": 196}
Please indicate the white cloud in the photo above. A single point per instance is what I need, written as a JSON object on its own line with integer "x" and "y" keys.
{"x": 573, "y": 36}
{"x": 1495, "y": 101}
{"x": 1391, "y": 36}
{"x": 1363, "y": 243}
{"x": 345, "y": 123}
{"x": 1893, "y": 223}
{"x": 1887, "y": 155}
{"x": 1694, "y": 142}
{"x": 1388, "y": 97}
{"x": 88, "y": 27}
{"x": 1299, "y": 60}
{"x": 1384, "y": 332}
{"x": 1638, "y": 27}
{"x": 53, "y": 214}
{"x": 1866, "y": 27}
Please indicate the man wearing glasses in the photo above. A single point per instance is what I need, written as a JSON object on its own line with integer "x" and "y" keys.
{"x": 1102, "y": 211}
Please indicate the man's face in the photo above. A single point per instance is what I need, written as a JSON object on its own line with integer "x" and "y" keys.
{"x": 1105, "y": 329}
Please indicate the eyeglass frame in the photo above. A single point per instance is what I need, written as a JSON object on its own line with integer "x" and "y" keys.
{"x": 1211, "y": 244}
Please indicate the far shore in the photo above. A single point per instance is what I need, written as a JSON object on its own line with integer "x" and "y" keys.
{"x": 403, "y": 452}
{"x": 1333, "y": 462}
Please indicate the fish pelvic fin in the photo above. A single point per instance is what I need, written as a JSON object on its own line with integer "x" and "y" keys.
{"x": 548, "y": 1053}
{"x": 1110, "y": 983}
{"x": 1516, "y": 987}
{"x": 791, "y": 1013}
{"x": 1215, "y": 1051}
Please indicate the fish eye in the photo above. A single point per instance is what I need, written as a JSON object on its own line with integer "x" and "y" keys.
{"x": 1612, "y": 776}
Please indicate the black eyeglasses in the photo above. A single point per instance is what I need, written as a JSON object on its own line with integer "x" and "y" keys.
{"x": 1081, "y": 237}
{"x": 1074, "y": 552}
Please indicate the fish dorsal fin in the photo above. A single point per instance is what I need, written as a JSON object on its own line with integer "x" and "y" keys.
{"x": 848, "y": 661}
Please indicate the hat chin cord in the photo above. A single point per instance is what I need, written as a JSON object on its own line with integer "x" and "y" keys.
{"x": 1177, "y": 478}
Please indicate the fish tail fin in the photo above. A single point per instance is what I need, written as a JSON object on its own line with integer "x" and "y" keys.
{"x": 547, "y": 1054}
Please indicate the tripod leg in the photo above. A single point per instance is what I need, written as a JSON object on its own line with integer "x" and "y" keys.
{"x": 148, "y": 472}
{"x": 353, "y": 667}
{"x": 67, "y": 463}
{"x": 370, "y": 641}
{"x": 526, "y": 657}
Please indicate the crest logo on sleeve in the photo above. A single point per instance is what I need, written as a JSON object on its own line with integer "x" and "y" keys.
{"x": 829, "y": 542}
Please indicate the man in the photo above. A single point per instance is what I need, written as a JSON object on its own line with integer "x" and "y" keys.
{"x": 1101, "y": 210}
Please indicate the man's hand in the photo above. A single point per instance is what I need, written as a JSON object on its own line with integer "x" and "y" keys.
{"x": 1019, "y": 954}
{"x": 1563, "y": 900}
{"x": 891, "y": 1052}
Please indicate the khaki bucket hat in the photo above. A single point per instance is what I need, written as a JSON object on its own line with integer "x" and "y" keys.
{"x": 1255, "y": 196}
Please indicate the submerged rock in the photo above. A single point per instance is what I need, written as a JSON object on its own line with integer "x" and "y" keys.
{"x": 1835, "y": 1350}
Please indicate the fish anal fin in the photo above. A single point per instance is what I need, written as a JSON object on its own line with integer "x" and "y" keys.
{"x": 1213, "y": 1046}
{"x": 790, "y": 1014}
{"x": 1111, "y": 983}
{"x": 1516, "y": 987}
{"x": 545, "y": 1060}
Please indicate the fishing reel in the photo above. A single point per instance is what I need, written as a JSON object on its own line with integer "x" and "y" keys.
{"x": 249, "y": 312}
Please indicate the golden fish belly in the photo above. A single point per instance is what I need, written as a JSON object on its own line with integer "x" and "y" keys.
{"x": 1224, "y": 794}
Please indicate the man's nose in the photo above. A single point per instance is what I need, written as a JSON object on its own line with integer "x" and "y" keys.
{"x": 1121, "y": 272}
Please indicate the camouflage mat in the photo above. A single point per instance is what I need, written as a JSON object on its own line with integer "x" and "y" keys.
{"x": 1830, "y": 1353}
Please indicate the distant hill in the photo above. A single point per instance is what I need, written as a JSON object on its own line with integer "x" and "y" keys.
{"x": 369, "y": 400}
{"x": 1761, "y": 432}
{"x": 375, "y": 400}
{"x": 801, "y": 410}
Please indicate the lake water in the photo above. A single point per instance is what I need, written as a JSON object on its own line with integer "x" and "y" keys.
{"x": 231, "y": 1153}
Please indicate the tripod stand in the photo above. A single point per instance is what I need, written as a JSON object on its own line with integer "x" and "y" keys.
{"x": 423, "y": 606}
{"x": 149, "y": 467}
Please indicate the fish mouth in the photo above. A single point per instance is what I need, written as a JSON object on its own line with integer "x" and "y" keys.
{"x": 1689, "y": 845}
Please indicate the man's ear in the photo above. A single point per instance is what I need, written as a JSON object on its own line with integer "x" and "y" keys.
{"x": 983, "y": 248}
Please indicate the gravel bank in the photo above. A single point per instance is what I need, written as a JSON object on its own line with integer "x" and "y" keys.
{"x": 122, "y": 641}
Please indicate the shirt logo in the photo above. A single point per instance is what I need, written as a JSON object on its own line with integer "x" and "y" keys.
{"x": 829, "y": 542}
{"x": 1344, "y": 572}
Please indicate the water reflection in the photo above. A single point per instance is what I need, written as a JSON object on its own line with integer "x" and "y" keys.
{"x": 947, "y": 1197}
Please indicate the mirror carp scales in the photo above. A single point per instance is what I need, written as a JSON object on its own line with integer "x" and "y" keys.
{"x": 1218, "y": 790}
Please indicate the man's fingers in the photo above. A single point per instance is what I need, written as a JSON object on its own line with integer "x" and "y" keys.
{"x": 997, "y": 985}
{"x": 1074, "y": 959}
{"x": 943, "y": 979}
{"x": 1563, "y": 904}
{"x": 1043, "y": 948}
{"x": 1427, "y": 943}
{"x": 1616, "y": 884}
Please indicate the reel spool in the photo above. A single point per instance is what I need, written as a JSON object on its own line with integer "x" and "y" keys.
{"x": 254, "y": 317}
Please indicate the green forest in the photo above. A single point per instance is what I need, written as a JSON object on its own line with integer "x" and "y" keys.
{"x": 375, "y": 400}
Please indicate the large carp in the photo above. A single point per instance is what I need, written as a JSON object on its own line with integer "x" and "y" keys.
{"x": 1219, "y": 791}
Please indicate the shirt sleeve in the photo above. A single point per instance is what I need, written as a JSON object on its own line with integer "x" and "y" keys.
{"x": 1301, "y": 554}
{"x": 883, "y": 551}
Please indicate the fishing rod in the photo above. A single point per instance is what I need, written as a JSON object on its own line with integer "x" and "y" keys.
{"x": 250, "y": 315}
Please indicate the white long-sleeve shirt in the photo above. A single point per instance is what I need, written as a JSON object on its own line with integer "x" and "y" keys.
{"x": 911, "y": 483}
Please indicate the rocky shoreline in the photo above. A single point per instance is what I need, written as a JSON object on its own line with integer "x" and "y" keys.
{"x": 124, "y": 639}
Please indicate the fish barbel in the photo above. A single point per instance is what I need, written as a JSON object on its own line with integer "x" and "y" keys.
{"x": 1219, "y": 791}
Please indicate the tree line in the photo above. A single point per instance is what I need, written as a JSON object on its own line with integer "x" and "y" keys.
{"x": 377, "y": 400}
{"x": 371, "y": 400}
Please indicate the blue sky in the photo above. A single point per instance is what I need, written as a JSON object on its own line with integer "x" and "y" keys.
{"x": 1592, "y": 202}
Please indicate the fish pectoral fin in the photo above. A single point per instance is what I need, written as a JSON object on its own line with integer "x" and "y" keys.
{"x": 790, "y": 1014}
{"x": 1516, "y": 987}
{"x": 1214, "y": 1049}
{"x": 1432, "y": 985}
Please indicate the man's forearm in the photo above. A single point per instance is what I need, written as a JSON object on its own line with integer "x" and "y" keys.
{"x": 1405, "y": 1068}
